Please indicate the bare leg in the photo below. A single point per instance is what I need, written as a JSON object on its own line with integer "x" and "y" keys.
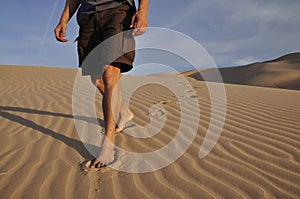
{"x": 111, "y": 104}
{"x": 125, "y": 114}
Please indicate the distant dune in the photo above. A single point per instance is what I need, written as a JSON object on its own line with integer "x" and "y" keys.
{"x": 283, "y": 72}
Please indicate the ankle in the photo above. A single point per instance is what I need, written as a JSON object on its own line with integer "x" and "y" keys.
{"x": 107, "y": 143}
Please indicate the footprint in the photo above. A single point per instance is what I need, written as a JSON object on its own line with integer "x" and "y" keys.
{"x": 159, "y": 113}
{"x": 156, "y": 110}
{"x": 200, "y": 87}
{"x": 180, "y": 83}
{"x": 190, "y": 94}
{"x": 171, "y": 102}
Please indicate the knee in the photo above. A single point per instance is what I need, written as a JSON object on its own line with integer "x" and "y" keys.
{"x": 111, "y": 77}
{"x": 110, "y": 83}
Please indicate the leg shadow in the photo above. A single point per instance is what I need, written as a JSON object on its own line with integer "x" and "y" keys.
{"x": 75, "y": 144}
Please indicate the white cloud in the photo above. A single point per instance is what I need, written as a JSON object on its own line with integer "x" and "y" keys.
{"x": 245, "y": 61}
{"x": 236, "y": 30}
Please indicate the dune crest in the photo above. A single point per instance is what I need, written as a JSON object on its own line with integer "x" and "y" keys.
{"x": 283, "y": 72}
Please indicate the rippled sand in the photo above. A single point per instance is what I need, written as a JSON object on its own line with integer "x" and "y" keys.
{"x": 256, "y": 156}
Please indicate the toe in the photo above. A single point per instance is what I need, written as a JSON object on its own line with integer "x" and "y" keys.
{"x": 98, "y": 164}
{"x": 101, "y": 165}
{"x": 94, "y": 163}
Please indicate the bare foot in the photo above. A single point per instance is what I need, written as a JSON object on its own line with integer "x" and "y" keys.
{"x": 125, "y": 116}
{"x": 106, "y": 155}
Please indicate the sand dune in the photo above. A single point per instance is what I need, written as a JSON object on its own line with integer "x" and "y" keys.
{"x": 257, "y": 155}
{"x": 283, "y": 72}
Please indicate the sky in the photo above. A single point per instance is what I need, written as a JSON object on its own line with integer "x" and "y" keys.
{"x": 233, "y": 32}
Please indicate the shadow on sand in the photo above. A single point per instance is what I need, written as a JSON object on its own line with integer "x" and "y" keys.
{"x": 74, "y": 143}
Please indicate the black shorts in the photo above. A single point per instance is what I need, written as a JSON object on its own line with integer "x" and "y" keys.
{"x": 98, "y": 28}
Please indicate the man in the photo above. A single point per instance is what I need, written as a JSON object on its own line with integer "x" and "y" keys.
{"x": 99, "y": 20}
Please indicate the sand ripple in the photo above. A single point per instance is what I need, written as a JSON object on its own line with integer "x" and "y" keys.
{"x": 257, "y": 155}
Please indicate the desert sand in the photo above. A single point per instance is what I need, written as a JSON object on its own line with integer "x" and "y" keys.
{"x": 256, "y": 156}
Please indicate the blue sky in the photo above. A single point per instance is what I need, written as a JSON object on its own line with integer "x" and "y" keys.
{"x": 234, "y": 32}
